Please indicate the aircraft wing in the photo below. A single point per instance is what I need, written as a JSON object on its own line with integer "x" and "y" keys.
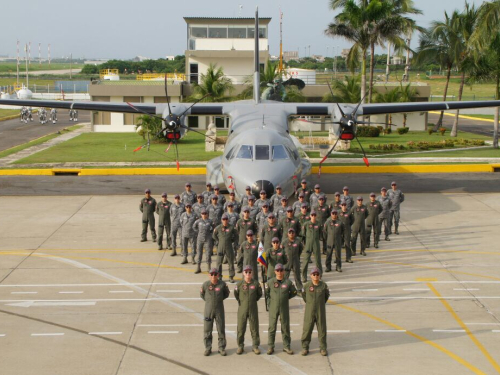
{"x": 379, "y": 109}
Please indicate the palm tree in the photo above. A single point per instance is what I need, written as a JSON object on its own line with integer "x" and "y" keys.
{"x": 149, "y": 124}
{"x": 267, "y": 76}
{"x": 389, "y": 96}
{"x": 344, "y": 91}
{"x": 439, "y": 42}
{"x": 214, "y": 84}
{"x": 406, "y": 94}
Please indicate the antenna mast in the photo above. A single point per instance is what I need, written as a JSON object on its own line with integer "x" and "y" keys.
{"x": 256, "y": 74}
{"x": 17, "y": 63}
{"x": 280, "y": 67}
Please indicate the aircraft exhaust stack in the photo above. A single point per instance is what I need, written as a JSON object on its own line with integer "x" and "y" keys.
{"x": 256, "y": 74}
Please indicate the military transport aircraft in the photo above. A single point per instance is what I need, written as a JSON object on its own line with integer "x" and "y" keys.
{"x": 259, "y": 152}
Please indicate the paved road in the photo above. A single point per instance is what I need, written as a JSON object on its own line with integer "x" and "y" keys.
{"x": 14, "y": 132}
{"x": 133, "y": 185}
{"x": 472, "y": 126}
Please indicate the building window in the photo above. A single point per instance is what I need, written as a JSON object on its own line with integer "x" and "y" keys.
{"x": 193, "y": 73}
{"x": 217, "y": 32}
{"x": 193, "y": 121}
{"x": 238, "y": 32}
{"x": 262, "y": 32}
{"x": 198, "y": 32}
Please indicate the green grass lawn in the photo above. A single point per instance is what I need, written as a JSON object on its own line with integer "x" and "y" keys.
{"x": 8, "y": 112}
{"x": 10, "y": 67}
{"x": 118, "y": 147}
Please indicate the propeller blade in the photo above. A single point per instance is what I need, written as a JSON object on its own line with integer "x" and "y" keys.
{"x": 359, "y": 104}
{"x": 177, "y": 155}
{"x": 197, "y": 131}
{"x": 138, "y": 148}
{"x": 166, "y": 95}
{"x": 168, "y": 148}
{"x": 365, "y": 159}
{"x": 329, "y": 152}
{"x": 192, "y": 105}
{"x": 341, "y": 111}
{"x": 143, "y": 112}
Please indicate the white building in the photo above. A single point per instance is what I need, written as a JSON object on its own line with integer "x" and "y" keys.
{"x": 227, "y": 42}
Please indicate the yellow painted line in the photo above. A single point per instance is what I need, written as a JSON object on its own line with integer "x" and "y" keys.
{"x": 464, "y": 326}
{"x": 142, "y": 171}
{"x": 425, "y": 340}
{"x": 437, "y": 168}
{"x": 465, "y": 117}
{"x": 426, "y": 279}
{"x": 26, "y": 172}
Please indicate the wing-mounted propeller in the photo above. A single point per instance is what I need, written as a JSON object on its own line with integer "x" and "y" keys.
{"x": 173, "y": 125}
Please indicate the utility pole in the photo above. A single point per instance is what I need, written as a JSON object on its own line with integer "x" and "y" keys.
{"x": 49, "y": 54}
{"x": 29, "y": 53}
{"x": 309, "y": 50}
{"x": 40, "y": 53}
{"x": 27, "y": 76}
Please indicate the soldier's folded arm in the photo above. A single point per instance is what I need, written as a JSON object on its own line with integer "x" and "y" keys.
{"x": 259, "y": 291}
{"x": 293, "y": 291}
{"x": 226, "y": 291}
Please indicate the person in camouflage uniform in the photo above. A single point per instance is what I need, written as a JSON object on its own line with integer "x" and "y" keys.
{"x": 236, "y": 204}
{"x": 275, "y": 255}
{"x": 305, "y": 190}
{"x": 224, "y": 236}
{"x": 359, "y": 214}
{"x": 336, "y": 203}
{"x": 214, "y": 292}
{"x": 261, "y": 218}
{"x": 176, "y": 210}
{"x": 233, "y": 220}
{"x": 188, "y": 234}
{"x": 298, "y": 204}
{"x": 279, "y": 291}
{"x": 221, "y": 198}
{"x": 244, "y": 198}
{"x": 199, "y": 205}
{"x": 214, "y": 210}
{"x": 207, "y": 194}
{"x": 276, "y": 199}
{"x": 311, "y": 231}
{"x": 281, "y": 211}
{"x": 374, "y": 209}
{"x": 385, "y": 215}
{"x": 204, "y": 228}
{"x": 303, "y": 217}
{"x": 397, "y": 197}
{"x": 148, "y": 207}
{"x": 242, "y": 227}
{"x": 347, "y": 198}
{"x": 262, "y": 200}
{"x": 314, "y": 200}
{"x": 247, "y": 293}
{"x": 254, "y": 210}
{"x": 270, "y": 230}
{"x": 323, "y": 212}
{"x": 333, "y": 230}
{"x": 293, "y": 247}
{"x": 188, "y": 196}
{"x": 163, "y": 211}
{"x": 315, "y": 295}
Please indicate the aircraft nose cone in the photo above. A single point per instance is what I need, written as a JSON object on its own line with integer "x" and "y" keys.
{"x": 265, "y": 185}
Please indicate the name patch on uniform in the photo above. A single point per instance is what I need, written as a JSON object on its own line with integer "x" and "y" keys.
{"x": 217, "y": 289}
{"x": 362, "y": 210}
{"x": 253, "y": 247}
{"x": 294, "y": 245}
{"x": 252, "y": 286}
{"x": 279, "y": 254}
{"x": 316, "y": 227}
{"x": 336, "y": 225}
{"x": 274, "y": 252}
{"x": 274, "y": 229}
{"x": 283, "y": 286}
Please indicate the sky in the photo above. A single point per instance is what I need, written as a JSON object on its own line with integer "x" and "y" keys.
{"x": 124, "y": 29}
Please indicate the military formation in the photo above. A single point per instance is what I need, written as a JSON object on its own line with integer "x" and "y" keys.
{"x": 288, "y": 238}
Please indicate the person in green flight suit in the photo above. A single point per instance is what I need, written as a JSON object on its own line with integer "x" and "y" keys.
{"x": 163, "y": 211}
{"x": 148, "y": 208}
{"x": 224, "y": 235}
{"x": 279, "y": 291}
{"x": 333, "y": 230}
{"x": 275, "y": 255}
{"x": 359, "y": 214}
{"x": 315, "y": 295}
{"x": 214, "y": 292}
{"x": 374, "y": 209}
{"x": 293, "y": 248}
{"x": 247, "y": 292}
{"x": 312, "y": 232}
{"x": 249, "y": 250}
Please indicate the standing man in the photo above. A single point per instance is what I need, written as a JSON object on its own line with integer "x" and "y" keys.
{"x": 207, "y": 194}
{"x": 359, "y": 214}
{"x": 163, "y": 211}
{"x": 374, "y": 209}
{"x": 248, "y": 253}
{"x": 298, "y": 204}
{"x": 148, "y": 208}
{"x": 346, "y": 218}
{"x": 244, "y": 225}
{"x": 204, "y": 228}
{"x": 275, "y": 255}
{"x": 199, "y": 205}
{"x": 262, "y": 216}
{"x": 188, "y": 196}
{"x": 279, "y": 291}
{"x": 303, "y": 218}
{"x": 262, "y": 200}
{"x": 188, "y": 234}
{"x": 288, "y": 222}
{"x": 214, "y": 292}
{"x": 314, "y": 200}
{"x": 347, "y": 198}
{"x": 293, "y": 248}
{"x": 233, "y": 220}
{"x": 248, "y": 194}
{"x": 224, "y": 235}
{"x": 247, "y": 292}
{"x": 215, "y": 211}
{"x": 315, "y": 295}
{"x": 385, "y": 215}
{"x": 305, "y": 190}
{"x": 333, "y": 230}
{"x": 336, "y": 203}
{"x": 397, "y": 197}
{"x": 323, "y": 212}
{"x": 276, "y": 199}
{"x": 221, "y": 198}
{"x": 236, "y": 204}
{"x": 281, "y": 211}
{"x": 176, "y": 211}
{"x": 311, "y": 232}
{"x": 254, "y": 210}
{"x": 270, "y": 230}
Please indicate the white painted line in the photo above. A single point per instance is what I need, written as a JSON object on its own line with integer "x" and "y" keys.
{"x": 121, "y": 291}
{"x": 170, "y": 325}
{"x": 76, "y": 292}
{"x": 169, "y": 291}
{"x": 496, "y": 331}
{"x": 2, "y": 334}
{"x": 417, "y": 289}
{"x": 105, "y": 333}
{"x": 50, "y": 303}
{"x": 448, "y": 330}
{"x": 23, "y": 292}
{"x": 338, "y": 331}
{"x": 482, "y": 324}
{"x": 170, "y": 332}
{"x": 465, "y": 289}
{"x": 390, "y": 330}
{"x": 47, "y": 334}
{"x": 365, "y": 290}
{"x": 113, "y": 284}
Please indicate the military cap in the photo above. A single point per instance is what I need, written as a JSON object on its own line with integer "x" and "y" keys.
{"x": 209, "y": 184}
{"x": 301, "y": 195}
{"x": 383, "y": 189}
{"x": 334, "y": 212}
{"x": 232, "y": 193}
{"x": 303, "y": 181}
{"x": 372, "y": 195}
{"x": 343, "y": 203}
{"x": 346, "y": 188}
{"x": 248, "y": 188}
{"x": 322, "y": 197}
{"x": 337, "y": 194}
{"x": 188, "y": 204}
{"x": 271, "y": 216}
{"x": 304, "y": 205}
{"x": 278, "y": 187}
{"x": 224, "y": 217}
{"x": 230, "y": 204}
{"x": 187, "y": 184}
{"x": 251, "y": 198}
{"x": 245, "y": 209}
{"x": 204, "y": 211}
{"x": 249, "y": 232}
{"x": 275, "y": 239}
{"x": 317, "y": 186}
{"x": 289, "y": 209}
{"x": 359, "y": 198}
{"x": 216, "y": 188}
{"x": 313, "y": 213}
{"x": 393, "y": 183}
{"x": 147, "y": 191}
{"x": 315, "y": 270}
{"x": 284, "y": 199}
{"x": 247, "y": 268}
{"x": 177, "y": 196}
{"x": 214, "y": 270}
{"x": 265, "y": 204}
{"x": 163, "y": 195}
{"x": 291, "y": 230}
{"x": 279, "y": 267}
{"x": 214, "y": 197}
{"x": 200, "y": 196}
{"x": 263, "y": 192}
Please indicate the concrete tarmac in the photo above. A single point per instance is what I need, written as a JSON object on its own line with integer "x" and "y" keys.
{"x": 79, "y": 294}
{"x": 14, "y": 132}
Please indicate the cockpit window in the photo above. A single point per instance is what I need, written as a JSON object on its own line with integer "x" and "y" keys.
{"x": 293, "y": 154}
{"x": 261, "y": 152}
{"x": 230, "y": 154}
{"x": 279, "y": 153}
{"x": 245, "y": 152}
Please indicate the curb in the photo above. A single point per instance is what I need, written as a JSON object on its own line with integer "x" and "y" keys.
{"x": 453, "y": 168}
{"x": 11, "y": 117}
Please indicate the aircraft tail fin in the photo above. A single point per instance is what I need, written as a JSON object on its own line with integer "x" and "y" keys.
{"x": 256, "y": 74}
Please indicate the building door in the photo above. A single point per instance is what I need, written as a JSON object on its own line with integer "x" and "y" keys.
{"x": 193, "y": 70}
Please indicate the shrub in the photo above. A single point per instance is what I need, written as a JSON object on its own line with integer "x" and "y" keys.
{"x": 367, "y": 131}
{"x": 430, "y": 131}
{"x": 387, "y": 147}
{"x": 380, "y": 129}
{"x": 442, "y": 130}
{"x": 388, "y": 130}
{"x": 402, "y": 131}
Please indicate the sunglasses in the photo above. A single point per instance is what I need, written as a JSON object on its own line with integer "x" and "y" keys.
{"x": 276, "y": 242}
{"x": 225, "y": 219}
{"x": 313, "y": 214}
{"x": 248, "y": 271}
{"x": 315, "y": 274}
{"x": 213, "y": 274}
{"x": 279, "y": 270}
